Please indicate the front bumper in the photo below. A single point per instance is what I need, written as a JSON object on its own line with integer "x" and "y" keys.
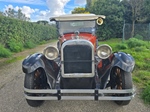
{"x": 79, "y": 94}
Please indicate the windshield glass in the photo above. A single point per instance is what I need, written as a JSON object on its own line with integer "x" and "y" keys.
{"x": 72, "y": 26}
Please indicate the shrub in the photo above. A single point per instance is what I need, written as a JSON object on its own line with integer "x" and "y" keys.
{"x": 137, "y": 36}
{"x": 121, "y": 46}
{"x": 15, "y": 46}
{"x": 29, "y": 45}
{"x": 4, "y": 52}
{"x": 133, "y": 42}
{"x": 42, "y": 42}
{"x": 146, "y": 95}
{"x": 18, "y": 32}
{"x": 140, "y": 49}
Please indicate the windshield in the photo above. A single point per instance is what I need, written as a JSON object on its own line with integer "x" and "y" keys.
{"x": 72, "y": 26}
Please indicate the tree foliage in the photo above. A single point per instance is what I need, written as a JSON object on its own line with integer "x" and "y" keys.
{"x": 134, "y": 12}
{"x": 42, "y": 22}
{"x": 1, "y": 13}
{"x": 147, "y": 10}
{"x": 16, "y": 14}
{"x": 79, "y": 10}
{"x": 113, "y": 10}
{"x": 16, "y": 34}
{"x": 117, "y": 11}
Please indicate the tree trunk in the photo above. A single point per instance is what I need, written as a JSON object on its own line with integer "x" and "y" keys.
{"x": 132, "y": 32}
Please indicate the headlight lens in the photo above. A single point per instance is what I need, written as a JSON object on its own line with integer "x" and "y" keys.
{"x": 104, "y": 51}
{"x": 51, "y": 52}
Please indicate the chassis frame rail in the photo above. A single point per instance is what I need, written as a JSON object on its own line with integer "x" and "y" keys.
{"x": 87, "y": 94}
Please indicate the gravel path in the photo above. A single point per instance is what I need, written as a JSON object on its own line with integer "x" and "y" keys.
{"x": 12, "y": 95}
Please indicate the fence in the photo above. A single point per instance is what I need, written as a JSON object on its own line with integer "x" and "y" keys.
{"x": 139, "y": 29}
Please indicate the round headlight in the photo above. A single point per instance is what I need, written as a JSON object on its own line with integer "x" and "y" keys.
{"x": 51, "y": 52}
{"x": 104, "y": 51}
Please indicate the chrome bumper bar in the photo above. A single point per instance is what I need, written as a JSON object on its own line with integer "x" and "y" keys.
{"x": 87, "y": 94}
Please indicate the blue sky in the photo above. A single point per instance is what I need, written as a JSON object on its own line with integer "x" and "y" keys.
{"x": 42, "y": 9}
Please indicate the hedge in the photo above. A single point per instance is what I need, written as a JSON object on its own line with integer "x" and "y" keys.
{"x": 16, "y": 34}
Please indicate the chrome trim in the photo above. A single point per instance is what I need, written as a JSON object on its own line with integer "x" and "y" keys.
{"x": 41, "y": 97}
{"x": 88, "y": 94}
{"x": 78, "y": 98}
{"x": 54, "y": 91}
{"x": 75, "y": 75}
{"x": 103, "y": 45}
{"x": 46, "y": 55}
{"x": 77, "y": 42}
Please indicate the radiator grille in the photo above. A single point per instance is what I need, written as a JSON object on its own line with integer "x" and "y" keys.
{"x": 77, "y": 59}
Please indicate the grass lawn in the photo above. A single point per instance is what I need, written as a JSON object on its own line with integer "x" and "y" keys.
{"x": 140, "y": 50}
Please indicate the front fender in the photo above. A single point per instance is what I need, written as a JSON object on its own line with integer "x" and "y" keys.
{"x": 32, "y": 62}
{"x": 124, "y": 61}
{"x": 38, "y": 60}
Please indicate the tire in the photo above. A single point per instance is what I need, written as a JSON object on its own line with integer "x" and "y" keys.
{"x": 126, "y": 83}
{"x": 58, "y": 45}
{"x": 32, "y": 82}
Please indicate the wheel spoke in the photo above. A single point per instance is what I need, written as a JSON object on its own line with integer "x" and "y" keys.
{"x": 119, "y": 78}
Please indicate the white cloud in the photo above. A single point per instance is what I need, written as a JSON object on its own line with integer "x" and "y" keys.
{"x": 7, "y": 7}
{"x": 56, "y": 6}
{"x": 43, "y": 15}
{"x": 25, "y": 10}
{"x": 35, "y": 2}
{"x": 80, "y": 2}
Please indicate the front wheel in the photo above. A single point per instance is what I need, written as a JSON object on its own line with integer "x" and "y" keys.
{"x": 122, "y": 80}
{"x": 35, "y": 80}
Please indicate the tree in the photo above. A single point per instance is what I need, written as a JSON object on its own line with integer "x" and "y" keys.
{"x": 113, "y": 10}
{"x": 10, "y": 13}
{"x": 146, "y": 11}
{"x": 1, "y": 13}
{"x": 89, "y": 4}
{"x": 20, "y": 15}
{"x": 16, "y": 14}
{"x": 42, "y": 22}
{"x": 79, "y": 10}
{"x": 134, "y": 10}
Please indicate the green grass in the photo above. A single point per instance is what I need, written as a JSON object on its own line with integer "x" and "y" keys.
{"x": 146, "y": 95}
{"x": 11, "y": 60}
{"x": 4, "y": 52}
{"x": 140, "y": 50}
{"x": 14, "y": 59}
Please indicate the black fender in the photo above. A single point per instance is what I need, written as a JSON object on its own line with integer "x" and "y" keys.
{"x": 38, "y": 60}
{"x": 124, "y": 61}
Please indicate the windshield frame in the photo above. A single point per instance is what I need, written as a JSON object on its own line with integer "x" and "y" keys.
{"x": 81, "y": 28}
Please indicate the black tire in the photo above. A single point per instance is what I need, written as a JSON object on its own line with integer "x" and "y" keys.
{"x": 30, "y": 83}
{"x": 126, "y": 83}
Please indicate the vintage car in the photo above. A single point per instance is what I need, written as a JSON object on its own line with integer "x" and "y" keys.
{"x": 78, "y": 68}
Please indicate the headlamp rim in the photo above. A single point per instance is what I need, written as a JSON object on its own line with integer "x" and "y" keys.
{"x": 45, "y": 54}
{"x": 103, "y": 46}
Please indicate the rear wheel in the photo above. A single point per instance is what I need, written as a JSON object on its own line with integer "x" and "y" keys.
{"x": 35, "y": 80}
{"x": 122, "y": 80}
